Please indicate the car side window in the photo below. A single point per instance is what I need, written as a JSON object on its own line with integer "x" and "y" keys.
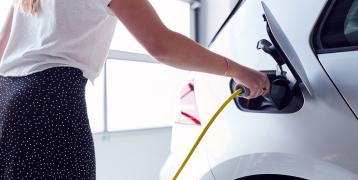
{"x": 340, "y": 29}
{"x": 351, "y": 24}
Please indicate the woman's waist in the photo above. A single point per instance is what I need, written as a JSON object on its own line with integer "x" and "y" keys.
{"x": 59, "y": 76}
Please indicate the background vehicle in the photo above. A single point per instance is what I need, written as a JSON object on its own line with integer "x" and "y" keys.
{"x": 309, "y": 133}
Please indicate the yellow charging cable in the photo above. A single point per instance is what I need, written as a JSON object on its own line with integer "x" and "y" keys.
{"x": 233, "y": 95}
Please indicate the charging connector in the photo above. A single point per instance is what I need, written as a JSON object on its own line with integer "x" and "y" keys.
{"x": 240, "y": 91}
{"x": 245, "y": 91}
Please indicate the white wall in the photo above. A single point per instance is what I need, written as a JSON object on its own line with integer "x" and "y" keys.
{"x": 132, "y": 155}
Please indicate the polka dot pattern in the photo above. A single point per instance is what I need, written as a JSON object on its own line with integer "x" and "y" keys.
{"x": 44, "y": 127}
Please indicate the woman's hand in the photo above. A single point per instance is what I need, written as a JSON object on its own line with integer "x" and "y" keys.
{"x": 256, "y": 81}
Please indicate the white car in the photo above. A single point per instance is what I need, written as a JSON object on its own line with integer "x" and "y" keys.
{"x": 307, "y": 128}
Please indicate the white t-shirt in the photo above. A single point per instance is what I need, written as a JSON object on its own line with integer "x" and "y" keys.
{"x": 75, "y": 33}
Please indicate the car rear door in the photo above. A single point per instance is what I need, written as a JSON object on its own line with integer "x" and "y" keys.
{"x": 336, "y": 45}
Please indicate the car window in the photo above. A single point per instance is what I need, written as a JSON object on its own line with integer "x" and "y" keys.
{"x": 351, "y": 24}
{"x": 341, "y": 27}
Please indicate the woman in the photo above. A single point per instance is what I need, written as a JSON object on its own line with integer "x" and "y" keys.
{"x": 49, "y": 49}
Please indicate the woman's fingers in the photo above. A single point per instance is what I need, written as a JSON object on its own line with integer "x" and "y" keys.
{"x": 259, "y": 89}
{"x": 262, "y": 86}
{"x": 267, "y": 86}
{"x": 256, "y": 81}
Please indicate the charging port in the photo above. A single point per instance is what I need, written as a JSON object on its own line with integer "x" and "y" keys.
{"x": 284, "y": 97}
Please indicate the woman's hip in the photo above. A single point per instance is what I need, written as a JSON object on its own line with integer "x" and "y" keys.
{"x": 57, "y": 93}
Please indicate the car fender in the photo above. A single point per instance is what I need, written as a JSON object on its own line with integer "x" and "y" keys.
{"x": 282, "y": 164}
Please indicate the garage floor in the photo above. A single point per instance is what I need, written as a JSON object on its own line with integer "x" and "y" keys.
{"x": 134, "y": 155}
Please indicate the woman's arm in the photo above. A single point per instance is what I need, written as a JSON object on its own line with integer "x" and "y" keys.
{"x": 176, "y": 50}
{"x": 5, "y": 32}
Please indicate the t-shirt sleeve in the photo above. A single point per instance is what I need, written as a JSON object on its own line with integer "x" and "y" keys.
{"x": 105, "y": 5}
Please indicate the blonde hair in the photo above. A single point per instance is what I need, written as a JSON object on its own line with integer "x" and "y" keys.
{"x": 30, "y": 6}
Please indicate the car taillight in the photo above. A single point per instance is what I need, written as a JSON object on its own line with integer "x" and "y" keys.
{"x": 188, "y": 110}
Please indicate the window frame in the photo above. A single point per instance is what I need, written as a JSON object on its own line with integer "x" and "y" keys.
{"x": 316, "y": 40}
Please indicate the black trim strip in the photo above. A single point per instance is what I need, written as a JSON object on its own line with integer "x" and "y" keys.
{"x": 232, "y": 13}
{"x": 336, "y": 50}
{"x": 196, "y": 24}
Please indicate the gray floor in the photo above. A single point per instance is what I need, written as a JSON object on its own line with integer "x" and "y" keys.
{"x": 132, "y": 155}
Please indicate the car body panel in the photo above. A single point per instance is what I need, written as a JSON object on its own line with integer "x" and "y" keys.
{"x": 324, "y": 129}
{"x": 283, "y": 164}
{"x": 342, "y": 68}
{"x": 317, "y": 142}
{"x": 183, "y": 138}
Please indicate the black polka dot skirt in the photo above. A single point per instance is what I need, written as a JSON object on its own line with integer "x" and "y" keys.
{"x": 44, "y": 127}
